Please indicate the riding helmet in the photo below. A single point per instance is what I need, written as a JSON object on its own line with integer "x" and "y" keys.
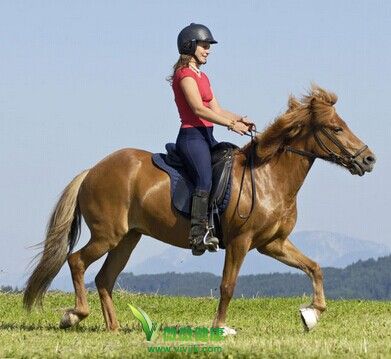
{"x": 188, "y": 37}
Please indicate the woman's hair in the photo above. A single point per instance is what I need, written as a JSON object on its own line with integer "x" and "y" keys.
{"x": 183, "y": 61}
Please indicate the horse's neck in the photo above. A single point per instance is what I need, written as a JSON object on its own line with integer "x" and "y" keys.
{"x": 289, "y": 171}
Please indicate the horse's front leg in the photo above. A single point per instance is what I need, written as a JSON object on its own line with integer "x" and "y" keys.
{"x": 235, "y": 252}
{"x": 284, "y": 251}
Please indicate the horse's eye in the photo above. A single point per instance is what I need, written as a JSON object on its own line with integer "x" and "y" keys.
{"x": 337, "y": 129}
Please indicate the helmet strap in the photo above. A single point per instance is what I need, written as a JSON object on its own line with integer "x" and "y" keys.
{"x": 198, "y": 62}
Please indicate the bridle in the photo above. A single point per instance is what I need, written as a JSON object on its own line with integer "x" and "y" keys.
{"x": 345, "y": 159}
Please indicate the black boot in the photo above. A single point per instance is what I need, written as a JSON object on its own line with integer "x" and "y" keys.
{"x": 199, "y": 225}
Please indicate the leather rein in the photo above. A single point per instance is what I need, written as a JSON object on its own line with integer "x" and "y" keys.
{"x": 345, "y": 159}
{"x": 250, "y": 163}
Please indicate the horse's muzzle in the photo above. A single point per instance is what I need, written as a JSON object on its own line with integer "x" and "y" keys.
{"x": 363, "y": 164}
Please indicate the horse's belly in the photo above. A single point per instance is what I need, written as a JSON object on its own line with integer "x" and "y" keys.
{"x": 152, "y": 212}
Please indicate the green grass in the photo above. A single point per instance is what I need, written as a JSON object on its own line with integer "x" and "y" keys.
{"x": 267, "y": 327}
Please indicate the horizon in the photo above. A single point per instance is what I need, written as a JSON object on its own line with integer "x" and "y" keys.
{"x": 296, "y": 272}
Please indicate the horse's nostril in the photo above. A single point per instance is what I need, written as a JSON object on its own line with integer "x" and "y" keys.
{"x": 369, "y": 160}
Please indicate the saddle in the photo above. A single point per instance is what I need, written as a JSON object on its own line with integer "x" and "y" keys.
{"x": 182, "y": 186}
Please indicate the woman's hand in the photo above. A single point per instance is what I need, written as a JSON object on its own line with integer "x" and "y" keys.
{"x": 248, "y": 122}
{"x": 239, "y": 127}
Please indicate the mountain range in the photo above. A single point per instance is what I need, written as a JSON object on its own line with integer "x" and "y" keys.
{"x": 327, "y": 248}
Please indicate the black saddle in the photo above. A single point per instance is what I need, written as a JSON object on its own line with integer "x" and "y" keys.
{"x": 182, "y": 186}
{"x": 221, "y": 169}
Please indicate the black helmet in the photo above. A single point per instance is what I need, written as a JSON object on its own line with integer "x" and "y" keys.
{"x": 188, "y": 37}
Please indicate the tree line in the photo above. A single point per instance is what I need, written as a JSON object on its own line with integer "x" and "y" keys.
{"x": 369, "y": 279}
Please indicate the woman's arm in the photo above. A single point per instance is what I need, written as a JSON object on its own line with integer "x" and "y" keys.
{"x": 193, "y": 98}
{"x": 215, "y": 107}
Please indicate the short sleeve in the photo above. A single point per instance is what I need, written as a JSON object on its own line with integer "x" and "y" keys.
{"x": 185, "y": 72}
{"x": 207, "y": 78}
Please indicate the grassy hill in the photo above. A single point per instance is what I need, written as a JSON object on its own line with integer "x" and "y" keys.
{"x": 266, "y": 328}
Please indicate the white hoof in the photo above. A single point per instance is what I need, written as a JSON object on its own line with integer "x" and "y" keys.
{"x": 69, "y": 319}
{"x": 228, "y": 331}
{"x": 309, "y": 317}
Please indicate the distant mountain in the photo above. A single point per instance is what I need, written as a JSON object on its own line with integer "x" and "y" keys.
{"x": 327, "y": 248}
{"x": 365, "y": 279}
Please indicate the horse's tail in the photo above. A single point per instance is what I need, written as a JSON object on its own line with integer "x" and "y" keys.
{"x": 63, "y": 231}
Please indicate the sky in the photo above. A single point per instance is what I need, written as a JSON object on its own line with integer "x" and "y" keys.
{"x": 79, "y": 80}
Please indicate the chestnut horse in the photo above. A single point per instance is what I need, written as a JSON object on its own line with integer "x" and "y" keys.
{"x": 125, "y": 196}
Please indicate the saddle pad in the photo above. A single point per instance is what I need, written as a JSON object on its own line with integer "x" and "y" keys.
{"x": 182, "y": 188}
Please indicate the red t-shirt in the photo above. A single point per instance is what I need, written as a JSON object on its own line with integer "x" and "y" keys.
{"x": 188, "y": 118}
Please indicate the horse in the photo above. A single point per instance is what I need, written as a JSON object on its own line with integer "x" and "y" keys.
{"x": 125, "y": 196}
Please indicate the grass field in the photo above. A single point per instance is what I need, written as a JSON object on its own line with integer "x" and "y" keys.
{"x": 266, "y": 328}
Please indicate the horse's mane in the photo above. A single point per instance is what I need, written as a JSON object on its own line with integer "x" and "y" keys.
{"x": 315, "y": 109}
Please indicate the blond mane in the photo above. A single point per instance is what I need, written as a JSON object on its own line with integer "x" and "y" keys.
{"x": 315, "y": 109}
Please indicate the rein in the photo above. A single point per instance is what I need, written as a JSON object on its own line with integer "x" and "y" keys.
{"x": 250, "y": 163}
{"x": 346, "y": 159}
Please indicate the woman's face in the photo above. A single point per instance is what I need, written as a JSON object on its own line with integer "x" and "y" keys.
{"x": 202, "y": 51}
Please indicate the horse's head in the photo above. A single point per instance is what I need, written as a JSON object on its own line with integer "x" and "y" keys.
{"x": 332, "y": 139}
{"x": 313, "y": 128}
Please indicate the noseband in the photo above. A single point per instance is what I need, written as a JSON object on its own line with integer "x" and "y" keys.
{"x": 345, "y": 159}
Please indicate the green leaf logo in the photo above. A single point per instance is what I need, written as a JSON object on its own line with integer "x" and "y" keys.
{"x": 150, "y": 328}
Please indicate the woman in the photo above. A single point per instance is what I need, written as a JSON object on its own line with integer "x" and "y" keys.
{"x": 199, "y": 110}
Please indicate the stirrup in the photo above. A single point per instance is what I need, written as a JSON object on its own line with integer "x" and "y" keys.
{"x": 200, "y": 243}
{"x": 211, "y": 243}
{"x": 208, "y": 243}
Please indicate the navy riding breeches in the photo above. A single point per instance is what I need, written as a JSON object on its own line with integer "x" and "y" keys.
{"x": 194, "y": 145}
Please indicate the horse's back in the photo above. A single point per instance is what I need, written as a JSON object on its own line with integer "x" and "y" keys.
{"x": 123, "y": 162}
{"x": 115, "y": 183}
{"x": 123, "y": 158}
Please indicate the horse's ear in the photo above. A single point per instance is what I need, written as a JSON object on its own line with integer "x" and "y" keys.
{"x": 326, "y": 96}
{"x": 293, "y": 103}
{"x": 321, "y": 112}
{"x": 312, "y": 102}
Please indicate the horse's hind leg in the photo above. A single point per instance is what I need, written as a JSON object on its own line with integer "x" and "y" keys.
{"x": 114, "y": 264}
{"x": 284, "y": 251}
{"x": 78, "y": 264}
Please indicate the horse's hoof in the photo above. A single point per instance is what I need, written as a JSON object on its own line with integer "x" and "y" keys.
{"x": 309, "y": 317}
{"x": 69, "y": 319}
{"x": 228, "y": 331}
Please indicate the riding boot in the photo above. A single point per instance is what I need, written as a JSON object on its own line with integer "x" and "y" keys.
{"x": 199, "y": 225}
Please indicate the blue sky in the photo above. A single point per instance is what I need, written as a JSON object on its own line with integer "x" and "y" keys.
{"x": 79, "y": 80}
